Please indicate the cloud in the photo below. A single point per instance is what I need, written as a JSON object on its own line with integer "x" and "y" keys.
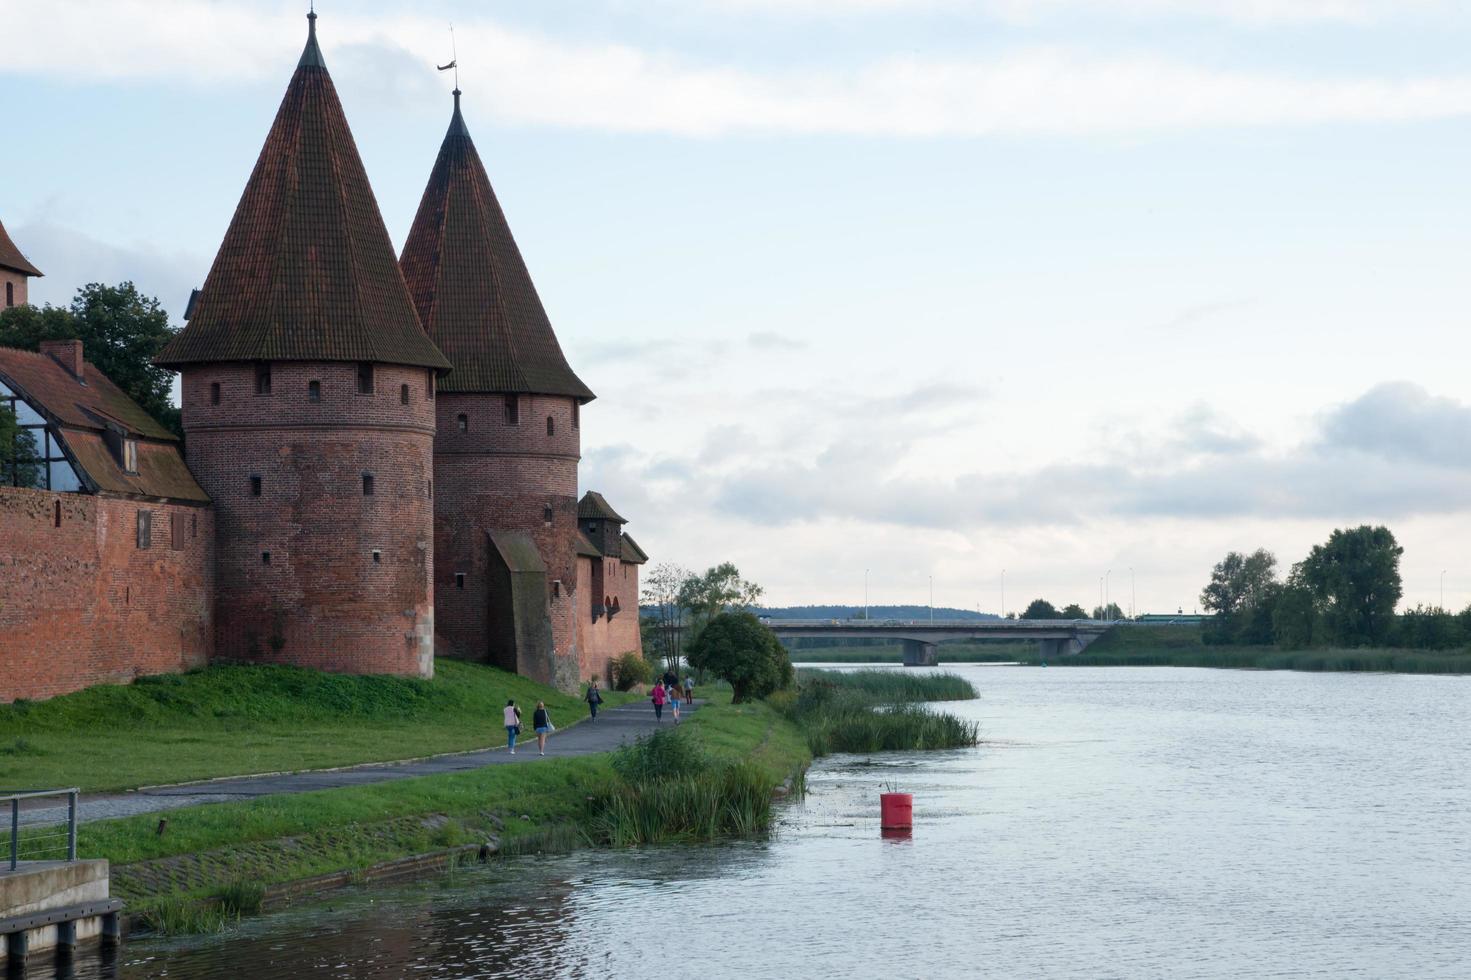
{"x": 71, "y": 259}
{"x": 1402, "y": 421}
{"x": 533, "y": 79}
{"x": 770, "y": 340}
{"x": 1255, "y": 12}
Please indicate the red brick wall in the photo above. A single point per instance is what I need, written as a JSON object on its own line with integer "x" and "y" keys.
{"x": 82, "y": 604}
{"x": 323, "y": 601}
{"x": 603, "y": 639}
{"x": 500, "y": 476}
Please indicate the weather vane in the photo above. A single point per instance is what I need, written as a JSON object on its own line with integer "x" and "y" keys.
{"x": 454, "y": 59}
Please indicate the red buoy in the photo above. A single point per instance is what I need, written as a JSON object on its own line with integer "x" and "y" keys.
{"x": 896, "y": 811}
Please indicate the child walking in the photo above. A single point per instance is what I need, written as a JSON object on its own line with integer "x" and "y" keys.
{"x": 674, "y": 700}
{"x": 658, "y": 697}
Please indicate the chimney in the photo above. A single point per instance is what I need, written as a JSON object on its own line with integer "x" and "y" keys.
{"x": 67, "y": 353}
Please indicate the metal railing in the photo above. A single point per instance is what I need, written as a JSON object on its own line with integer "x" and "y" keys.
{"x": 38, "y": 846}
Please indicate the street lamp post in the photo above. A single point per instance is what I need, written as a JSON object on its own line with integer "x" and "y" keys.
{"x": 865, "y": 595}
{"x": 1003, "y": 593}
{"x": 1105, "y": 591}
{"x": 1133, "y": 596}
{"x": 1442, "y": 590}
{"x": 932, "y": 600}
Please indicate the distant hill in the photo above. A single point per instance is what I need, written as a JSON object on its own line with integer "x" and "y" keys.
{"x": 874, "y": 612}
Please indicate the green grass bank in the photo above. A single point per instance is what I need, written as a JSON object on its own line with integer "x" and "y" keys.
{"x": 218, "y": 861}
{"x": 235, "y": 720}
{"x": 1182, "y": 646}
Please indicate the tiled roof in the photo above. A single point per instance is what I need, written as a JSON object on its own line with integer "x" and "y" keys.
{"x": 306, "y": 271}
{"x": 592, "y": 506}
{"x": 471, "y": 287}
{"x": 72, "y": 403}
{"x": 632, "y": 553}
{"x": 11, "y": 258}
{"x": 82, "y": 413}
{"x": 586, "y": 548}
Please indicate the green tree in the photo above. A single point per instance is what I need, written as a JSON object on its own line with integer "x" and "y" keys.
{"x": 1296, "y": 618}
{"x": 121, "y": 331}
{"x": 660, "y": 594}
{"x": 1356, "y": 581}
{"x": 1072, "y": 611}
{"x": 1111, "y": 611}
{"x": 19, "y": 460}
{"x": 1242, "y": 592}
{"x": 735, "y": 647}
{"x": 1040, "y": 609}
{"x": 719, "y": 589}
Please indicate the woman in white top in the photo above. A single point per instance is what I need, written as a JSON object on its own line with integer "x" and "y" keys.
{"x": 513, "y": 724}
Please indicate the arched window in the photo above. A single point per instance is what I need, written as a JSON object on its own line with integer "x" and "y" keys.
{"x": 214, "y": 392}
{"x": 551, "y": 426}
{"x": 314, "y": 391}
{"x": 403, "y": 394}
{"x": 513, "y": 410}
{"x": 463, "y": 421}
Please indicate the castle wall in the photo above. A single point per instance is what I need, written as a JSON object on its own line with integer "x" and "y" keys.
{"x": 81, "y": 603}
{"x": 349, "y": 582}
{"x": 601, "y": 640}
{"x": 494, "y": 475}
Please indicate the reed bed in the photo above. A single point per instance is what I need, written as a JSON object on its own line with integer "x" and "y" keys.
{"x": 877, "y": 711}
{"x": 893, "y": 686}
{"x": 670, "y": 789}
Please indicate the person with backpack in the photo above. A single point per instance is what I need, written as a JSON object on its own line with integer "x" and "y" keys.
{"x": 658, "y": 697}
{"x": 593, "y": 697}
{"x": 512, "y": 716}
{"x": 541, "y": 722}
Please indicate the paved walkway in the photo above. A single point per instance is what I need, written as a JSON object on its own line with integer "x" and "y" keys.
{"x": 614, "y": 727}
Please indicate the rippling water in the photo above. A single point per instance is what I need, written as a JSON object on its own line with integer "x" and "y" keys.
{"x": 1118, "y": 822}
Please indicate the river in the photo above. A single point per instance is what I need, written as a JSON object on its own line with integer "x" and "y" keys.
{"x": 1117, "y": 822}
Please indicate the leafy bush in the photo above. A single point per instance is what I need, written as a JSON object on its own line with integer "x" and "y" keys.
{"x": 848, "y": 719}
{"x": 630, "y": 670}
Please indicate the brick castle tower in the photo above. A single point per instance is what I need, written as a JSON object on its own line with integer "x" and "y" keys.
{"x": 508, "y": 443}
{"x": 309, "y": 409}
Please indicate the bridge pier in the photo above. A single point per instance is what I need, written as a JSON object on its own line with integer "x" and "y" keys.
{"x": 1050, "y": 649}
{"x": 918, "y": 653}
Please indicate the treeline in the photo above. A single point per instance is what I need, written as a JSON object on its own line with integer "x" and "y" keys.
{"x": 1343, "y": 594}
{"x": 1042, "y": 609}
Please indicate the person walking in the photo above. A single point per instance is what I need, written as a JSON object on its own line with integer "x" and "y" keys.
{"x": 541, "y": 721}
{"x": 689, "y": 690}
{"x": 658, "y": 697}
{"x": 512, "y": 716}
{"x": 593, "y": 697}
{"x": 674, "y": 693}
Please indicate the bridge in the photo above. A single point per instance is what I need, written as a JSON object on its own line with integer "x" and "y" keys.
{"x": 1055, "y": 637}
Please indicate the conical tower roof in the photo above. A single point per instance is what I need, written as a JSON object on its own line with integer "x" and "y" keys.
{"x": 306, "y": 271}
{"x": 471, "y": 287}
{"x": 11, "y": 257}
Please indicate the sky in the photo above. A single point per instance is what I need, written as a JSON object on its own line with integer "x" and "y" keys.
{"x": 1074, "y": 295}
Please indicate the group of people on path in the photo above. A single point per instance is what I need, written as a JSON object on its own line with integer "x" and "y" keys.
{"x": 670, "y": 690}
{"x": 667, "y": 690}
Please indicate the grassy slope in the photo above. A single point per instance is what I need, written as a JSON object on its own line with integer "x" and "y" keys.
{"x": 232, "y": 720}
{"x": 276, "y": 839}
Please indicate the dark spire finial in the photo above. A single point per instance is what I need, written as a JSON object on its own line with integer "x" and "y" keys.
{"x": 311, "y": 56}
